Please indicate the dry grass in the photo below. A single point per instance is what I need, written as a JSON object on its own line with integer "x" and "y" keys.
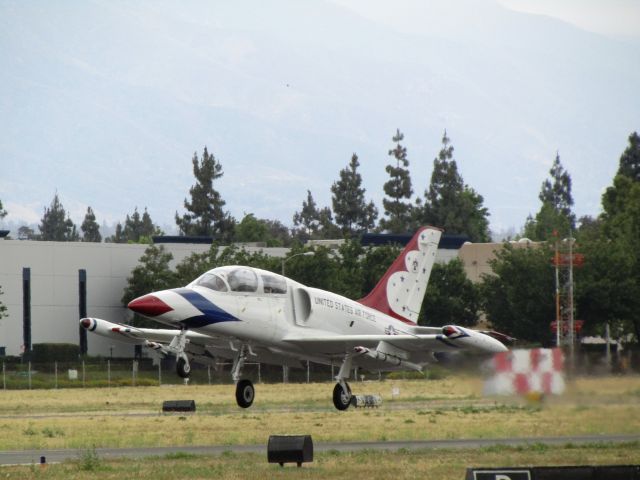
{"x": 439, "y": 409}
{"x": 217, "y": 398}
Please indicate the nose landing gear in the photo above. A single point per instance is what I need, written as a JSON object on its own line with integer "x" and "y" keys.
{"x": 183, "y": 367}
{"x": 245, "y": 393}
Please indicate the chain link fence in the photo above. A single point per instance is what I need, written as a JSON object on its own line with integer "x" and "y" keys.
{"x": 96, "y": 373}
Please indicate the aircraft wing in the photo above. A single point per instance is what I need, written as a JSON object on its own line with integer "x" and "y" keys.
{"x": 451, "y": 339}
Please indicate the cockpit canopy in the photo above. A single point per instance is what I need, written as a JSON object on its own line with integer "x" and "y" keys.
{"x": 242, "y": 279}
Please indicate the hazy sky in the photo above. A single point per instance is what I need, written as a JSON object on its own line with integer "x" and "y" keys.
{"x": 610, "y": 17}
{"x": 105, "y": 102}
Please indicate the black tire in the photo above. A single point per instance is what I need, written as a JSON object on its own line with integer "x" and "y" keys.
{"x": 183, "y": 368}
{"x": 341, "y": 398}
{"x": 245, "y": 393}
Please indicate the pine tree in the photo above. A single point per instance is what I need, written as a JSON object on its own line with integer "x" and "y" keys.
{"x": 205, "y": 215}
{"x": 137, "y": 229}
{"x": 90, "y": 228}
{"x": 614, "y": 198}
{"x": 117, "y": 237}
{"x": 398, "y": 187}
{"x": 308, "y": 217}
{"x": 621, "y": 232}
{"x": 555, "y": 213}
{"x": 3, "y": 212}
{"x": 450, "y": 203}
{"x": 558, "y": 193}
{"x": 353, "y": 214}
{"x": 314, "y": 222}
{"x": 56, "y": 225}
{"x": 630, "y": 159}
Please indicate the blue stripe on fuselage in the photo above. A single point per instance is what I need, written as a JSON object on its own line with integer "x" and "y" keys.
{"x": 211, "y": 313}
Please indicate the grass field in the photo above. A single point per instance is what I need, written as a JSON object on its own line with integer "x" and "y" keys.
{"x": 435, "y": 409}
{"x": 430, "y": 464}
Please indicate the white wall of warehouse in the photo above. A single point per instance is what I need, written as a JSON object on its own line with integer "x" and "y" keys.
{"x": 55, "y": 289}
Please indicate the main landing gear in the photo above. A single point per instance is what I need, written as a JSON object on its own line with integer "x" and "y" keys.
{"x": 245, "y": 393}
{"x": 342, "y": 392}
{"x": 342, "y": 395}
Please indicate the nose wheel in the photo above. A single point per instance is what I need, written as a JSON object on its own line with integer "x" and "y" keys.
{"x": 342, "y": 395}
{"x": 245, "y": 393}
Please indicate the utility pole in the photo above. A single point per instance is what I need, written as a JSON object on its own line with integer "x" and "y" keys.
{"x": 564, "y": 261}
{"x": 556, "y": 263}
{"x": 571, "y": 241}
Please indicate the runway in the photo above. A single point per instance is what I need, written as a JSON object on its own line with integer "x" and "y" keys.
{"x": 55, "y": 456}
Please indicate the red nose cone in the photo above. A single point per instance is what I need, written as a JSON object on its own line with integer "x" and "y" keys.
{"x": 149, "y": 306}
{"x": 85, "y": 322}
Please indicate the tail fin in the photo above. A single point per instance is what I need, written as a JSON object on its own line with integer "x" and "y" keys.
{"x": 400, "y": 291}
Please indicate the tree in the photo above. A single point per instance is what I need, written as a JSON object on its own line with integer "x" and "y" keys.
{"x": 280, "y": 234}
{"x": 518, "y": 298}
{"x": 271, "y": 232}
{"x": 555, "y": 213}
{"x": 152, "y": 274}
{"x": 630, "y": 159}
{"x": 205, "y": 215}
{"x": 353, "y": 214}
{"x": 607, "y": 290}
{"x": 314, "y": 223}
{"x": 621, "y": 232}
{"x": 308, "y": 218}
{"x": 26, "y": 233}
{"x": 375, "y": 262}
{"x": 451, "y": 298}
{"x": 450, "y": 203}
{"x": 398, "y": 187}
{"x": 3, "y": 307}
{"x": 90, "y": 228}
{"x": 547, "y": 221}
{"x": 628, "y": 174}
{"x": 319, "y": 270}
{"x": 252, "y": 229}
{"x": 56, "y": 225}
{"x": 3, "y": 212}
{"x": 350, "y": 277}
{"x": 137, "y": 229}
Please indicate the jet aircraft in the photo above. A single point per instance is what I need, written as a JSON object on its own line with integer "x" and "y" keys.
{"x": 241, "y": 313}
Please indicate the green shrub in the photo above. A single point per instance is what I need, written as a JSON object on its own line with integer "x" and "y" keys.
{"x": 54, "y": 352}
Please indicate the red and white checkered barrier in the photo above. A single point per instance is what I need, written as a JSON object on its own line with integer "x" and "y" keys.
{"x": 521, "y": 372}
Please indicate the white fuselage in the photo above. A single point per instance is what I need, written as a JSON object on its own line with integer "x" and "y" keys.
{"x": 266, "y": 318}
